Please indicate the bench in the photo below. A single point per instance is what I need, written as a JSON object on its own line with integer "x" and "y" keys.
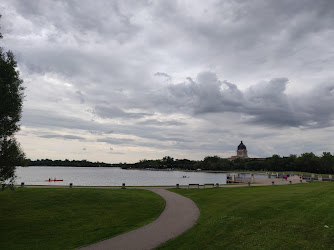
{"x": 209, "y": 184}
{"x": 193, "y": 185}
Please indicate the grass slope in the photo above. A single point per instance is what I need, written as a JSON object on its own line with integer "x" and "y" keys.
{"x": 272, "y": 217}
{"x": 69, "y": 218}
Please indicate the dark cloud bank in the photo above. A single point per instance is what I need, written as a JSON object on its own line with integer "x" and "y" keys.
{"x": 114, "y": 69}
{"x": 265, "y": 103}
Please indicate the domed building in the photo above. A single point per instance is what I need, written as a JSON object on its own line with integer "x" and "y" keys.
{"x": 241, "y": 152}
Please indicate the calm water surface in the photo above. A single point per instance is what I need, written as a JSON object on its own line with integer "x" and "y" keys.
{"x": 88, "y": 176}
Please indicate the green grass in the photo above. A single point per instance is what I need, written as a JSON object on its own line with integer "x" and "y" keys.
{"x": 33, "y": 218}
{"x": 272, "y": 217}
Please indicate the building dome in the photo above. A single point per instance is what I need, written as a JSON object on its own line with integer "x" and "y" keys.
{"x": 242, "y": 146}
{"x": 241, "y": 152}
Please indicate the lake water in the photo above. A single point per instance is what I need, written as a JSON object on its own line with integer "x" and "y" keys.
{"x": 89, "y": 176}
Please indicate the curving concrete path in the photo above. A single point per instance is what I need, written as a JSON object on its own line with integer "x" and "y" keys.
{"x": 179, "y": 215}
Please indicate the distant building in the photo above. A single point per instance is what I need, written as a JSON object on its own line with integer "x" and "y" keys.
{"x": 241, "y": 152}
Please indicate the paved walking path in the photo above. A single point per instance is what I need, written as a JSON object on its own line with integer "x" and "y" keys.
{"x": 180, "y": 214}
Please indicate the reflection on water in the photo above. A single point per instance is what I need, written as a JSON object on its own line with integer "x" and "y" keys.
{"x": 88, "y": 176}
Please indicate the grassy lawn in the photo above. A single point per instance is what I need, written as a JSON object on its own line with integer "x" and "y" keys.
{"x": 272, "y": 217}
{"x": 33, "y": 218}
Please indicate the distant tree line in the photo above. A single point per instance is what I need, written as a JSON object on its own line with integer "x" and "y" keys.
{"x": 307, "y": 162}
{"x": 68, "y": 163}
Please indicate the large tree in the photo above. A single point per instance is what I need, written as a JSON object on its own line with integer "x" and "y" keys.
{"x": 11, "y": 97}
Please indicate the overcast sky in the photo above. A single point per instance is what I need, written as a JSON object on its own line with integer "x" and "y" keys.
{"x": 121, "y": 81}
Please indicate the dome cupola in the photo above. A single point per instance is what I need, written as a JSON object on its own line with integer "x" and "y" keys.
{"x": 242, "y": 146}
{"x": 241, "y": 152}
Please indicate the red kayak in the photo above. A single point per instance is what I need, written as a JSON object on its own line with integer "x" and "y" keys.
{"x": 53, "y": 180}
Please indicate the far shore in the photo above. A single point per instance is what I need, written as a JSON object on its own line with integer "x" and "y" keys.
{"x": 197, "y": 170}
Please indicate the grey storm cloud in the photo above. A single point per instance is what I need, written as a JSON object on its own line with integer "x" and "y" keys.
{"x": 173, "y": 73}
{"x": 155, "y": 122}
{"x": 80, "y": 96}
{"x": 93, "y": 132}
{"x": 264, "y": 103}
{"x": 44, "y": 119}
{"x": 116, "y": 141}
{"x": 247, "y": 35}
{"x": 65, "y": 137}
{"x": 115, "y": 112}
{"x": 159, "y": 143}
{"x": 167, "y": 138}
{"x": 163, "y": 75}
